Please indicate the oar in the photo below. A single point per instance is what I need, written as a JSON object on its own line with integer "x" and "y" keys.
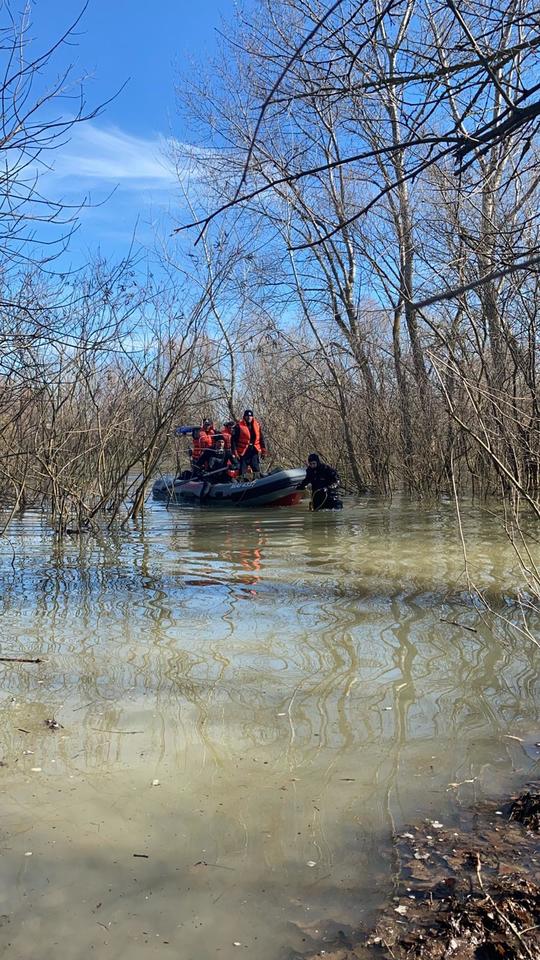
{"x": 211, "y": 474}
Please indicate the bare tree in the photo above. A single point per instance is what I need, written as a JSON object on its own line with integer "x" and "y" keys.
{"x": 378, "y": 154}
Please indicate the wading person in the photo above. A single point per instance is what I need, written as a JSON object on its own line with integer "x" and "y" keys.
{"x": 247, "y": 443}
{"x": 323, "y": 480}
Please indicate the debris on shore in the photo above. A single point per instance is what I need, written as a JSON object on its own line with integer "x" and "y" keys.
{"x": 469, "y": 890}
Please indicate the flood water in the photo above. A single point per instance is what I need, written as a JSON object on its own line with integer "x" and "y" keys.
{"x": 252, "y": 703}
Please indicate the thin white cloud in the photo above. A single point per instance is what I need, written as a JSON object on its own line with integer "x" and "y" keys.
{"x": 113, "y": 156}
{"x": 124, "y": 185}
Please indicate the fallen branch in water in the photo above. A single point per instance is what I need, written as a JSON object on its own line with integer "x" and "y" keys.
{"x": 456, "y": 624}
{"x": 99, "y": 730}
{"x": 21, "y": 660}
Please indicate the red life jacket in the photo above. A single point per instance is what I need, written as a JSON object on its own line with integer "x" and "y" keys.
{"x": 196, "y": 448}
{"x": 201, "y": 443}
{"x": 244, "y": 436}
{"x": 226, "y": 433}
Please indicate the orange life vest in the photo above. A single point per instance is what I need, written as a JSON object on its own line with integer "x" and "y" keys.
{"x": 196, "y": 449}
{"x": 226, "y": 433}
{"x": 244, "y": 436}
{"x": 200, "y": 443}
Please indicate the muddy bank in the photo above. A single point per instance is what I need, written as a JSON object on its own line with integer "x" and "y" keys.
{"x": 468, "y": 890}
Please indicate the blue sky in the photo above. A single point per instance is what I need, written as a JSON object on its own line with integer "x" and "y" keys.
{"x": 142, "y": 45}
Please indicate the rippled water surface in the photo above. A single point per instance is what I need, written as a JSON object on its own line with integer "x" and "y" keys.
{"x": 251, "y": 702}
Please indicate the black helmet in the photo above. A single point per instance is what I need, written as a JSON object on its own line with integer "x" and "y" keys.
{"x": 315, "y": 457}
{"x": 217, "y": 437}
{"x": 248, "y": 413}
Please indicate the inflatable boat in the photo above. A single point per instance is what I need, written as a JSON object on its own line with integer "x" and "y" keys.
{"x": 277, "y": 489}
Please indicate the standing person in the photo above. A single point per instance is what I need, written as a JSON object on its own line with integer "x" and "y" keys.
{"x": 199, "y": 443}
{"x": 323, "y": 480}
{"x": 206, "y": 433}
{"x": 208, "y": 427}
{"x": 227, "y": 433}
{"x": 247, "y": 443}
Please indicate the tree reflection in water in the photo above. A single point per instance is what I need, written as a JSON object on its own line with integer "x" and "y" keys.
{"x": 288, "y": 680}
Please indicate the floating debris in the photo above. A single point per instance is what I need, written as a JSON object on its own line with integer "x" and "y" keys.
{"x": 53, "y": 724}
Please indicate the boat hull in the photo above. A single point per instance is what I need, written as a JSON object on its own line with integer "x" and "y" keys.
{"x": 278, "y": 489}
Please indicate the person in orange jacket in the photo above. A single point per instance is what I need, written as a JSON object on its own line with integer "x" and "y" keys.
{"x": 209, "y": 429}
{"x": 247, "y": 443}
{"x": 196, "y": 447}
{"x": 226, "y": 433}
{"x": 207, "y": 433}
{"x": 201, "y": 441}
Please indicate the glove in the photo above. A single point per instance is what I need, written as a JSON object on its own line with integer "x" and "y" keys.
{"x": 263, "y": 454}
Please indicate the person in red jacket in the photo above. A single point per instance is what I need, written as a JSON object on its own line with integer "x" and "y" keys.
{"x": 196, "y": 447}
{"x": 247, "y": 443}
{"x": 208, "y": 427}
{"x": 201, "y": 441}
{"x": 226, "y": 433}
{"x": 206, "y": 434}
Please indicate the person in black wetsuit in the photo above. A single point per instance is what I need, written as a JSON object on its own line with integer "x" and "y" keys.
{"x": 324, "y": 481}
{"x": 216, "y": 460}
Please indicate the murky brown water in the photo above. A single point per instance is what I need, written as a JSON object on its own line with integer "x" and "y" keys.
{"x": 287, "y": 679}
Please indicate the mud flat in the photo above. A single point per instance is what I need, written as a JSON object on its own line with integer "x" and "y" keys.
{"x": 467, "y": 891}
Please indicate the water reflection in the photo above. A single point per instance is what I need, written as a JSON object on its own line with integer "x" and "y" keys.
{"x": 297, "y": 683}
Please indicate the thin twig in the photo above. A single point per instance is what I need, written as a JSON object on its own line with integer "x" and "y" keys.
{"x": 455, "y": 623}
